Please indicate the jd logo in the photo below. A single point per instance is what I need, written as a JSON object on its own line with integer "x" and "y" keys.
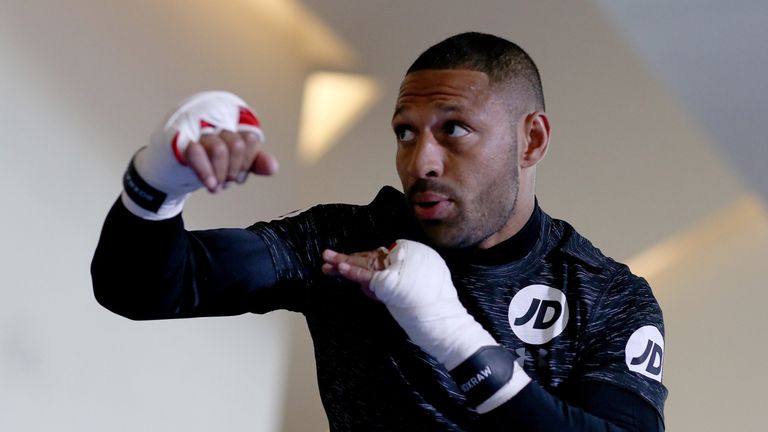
{"x": 645, "y": 352}
{"x": 538, "y": 314}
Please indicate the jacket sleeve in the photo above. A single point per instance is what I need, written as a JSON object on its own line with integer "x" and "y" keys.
{"x": 590, "y": 407}
{"x": 156, "y": 269}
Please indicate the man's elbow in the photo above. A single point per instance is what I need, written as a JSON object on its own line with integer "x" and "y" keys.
{"x": 119, "y": 304}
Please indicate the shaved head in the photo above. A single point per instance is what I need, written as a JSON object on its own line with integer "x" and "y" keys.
{"x": 509, "y": 68}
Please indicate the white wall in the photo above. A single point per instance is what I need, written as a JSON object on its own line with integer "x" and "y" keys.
{"x": 82, "y": 83}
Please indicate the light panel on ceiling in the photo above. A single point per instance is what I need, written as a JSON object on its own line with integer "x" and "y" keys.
{"x": 333, "y": 102}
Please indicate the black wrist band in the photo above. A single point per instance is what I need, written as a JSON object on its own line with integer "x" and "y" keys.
{"x": 144, "y": 195}
{"x": 484, "y": 373}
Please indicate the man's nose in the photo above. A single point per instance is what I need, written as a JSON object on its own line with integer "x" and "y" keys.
{"x": 426, "y": 157}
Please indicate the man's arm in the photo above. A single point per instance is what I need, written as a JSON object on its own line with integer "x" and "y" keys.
{"x": 156, "y": 269}
{"x": 146, "y": 265}
{"x": 414, "y": 283}
{"x": 596, "y": 407}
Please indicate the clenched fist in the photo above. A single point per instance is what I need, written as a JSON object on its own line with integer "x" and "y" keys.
{"x": 211, "y": 139}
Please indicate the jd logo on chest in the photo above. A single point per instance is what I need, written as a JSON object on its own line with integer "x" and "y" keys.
{"x": 538, "y": 314}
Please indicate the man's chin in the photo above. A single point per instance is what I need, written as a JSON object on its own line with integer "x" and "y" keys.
{"x": 440, "y": 235}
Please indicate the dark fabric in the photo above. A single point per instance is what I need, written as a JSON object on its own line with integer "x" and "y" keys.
{"x": 371, "y": 377}
{"x": 595, "y": 406}
{"x": 156, "y": 270}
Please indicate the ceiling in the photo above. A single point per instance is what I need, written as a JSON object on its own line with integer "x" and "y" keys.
{"x": 713, "y": 56}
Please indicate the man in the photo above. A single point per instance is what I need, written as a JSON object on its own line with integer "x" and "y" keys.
{"x": 483, "y": 314}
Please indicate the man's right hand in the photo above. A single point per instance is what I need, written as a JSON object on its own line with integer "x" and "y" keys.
{"x": 212, "y": 139}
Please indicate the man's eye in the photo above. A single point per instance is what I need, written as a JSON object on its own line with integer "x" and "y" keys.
{"x": 456, "y": 130}
{"x": 404, "y": 134}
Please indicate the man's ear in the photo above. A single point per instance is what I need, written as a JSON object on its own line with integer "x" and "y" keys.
{"x": 533, "y": 139}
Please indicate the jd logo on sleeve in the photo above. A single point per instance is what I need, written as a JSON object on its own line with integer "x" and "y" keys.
{"x": 645, "y": 352}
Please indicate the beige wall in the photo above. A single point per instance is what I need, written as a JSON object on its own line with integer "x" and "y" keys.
{"x": 82, "y": 83}
{"x": 714, "y": 307}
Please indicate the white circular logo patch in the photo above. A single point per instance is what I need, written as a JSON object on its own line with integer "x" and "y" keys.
{"x": 645, "y": 352}
{"x": 538, "y": 314}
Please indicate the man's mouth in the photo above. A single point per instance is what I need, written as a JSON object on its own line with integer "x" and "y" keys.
{"x": 430, "y": 205}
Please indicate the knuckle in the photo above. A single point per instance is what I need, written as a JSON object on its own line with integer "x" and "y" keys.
{"x": 249, "y": 137}
{"x": 192, "y": 151}
{"x": 237, "y": 145}
{"x": 208, "y": 140}
{"x": 218, "y": 149}
{"x": 252, "y": 141}
{"x": 198, "y": 160}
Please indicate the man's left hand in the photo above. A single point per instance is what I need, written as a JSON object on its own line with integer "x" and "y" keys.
{"x": 414, "y": 282}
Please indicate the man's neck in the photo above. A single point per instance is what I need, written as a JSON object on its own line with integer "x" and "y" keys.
{"x": 520, "y": 216}
{"x": 509, "y": 250}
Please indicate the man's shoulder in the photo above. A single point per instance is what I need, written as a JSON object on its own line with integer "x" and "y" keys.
{"x": 615, "y": 277}
{"x": 385, "y": 215}
{"x": 386, "y": 207}
{"x": 387, "y": 198}
{"x": 569, "y": 242}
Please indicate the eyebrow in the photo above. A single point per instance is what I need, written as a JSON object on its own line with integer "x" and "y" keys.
{"x": 443, "y": 107}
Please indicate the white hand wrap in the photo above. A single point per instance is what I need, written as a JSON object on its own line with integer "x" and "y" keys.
{"x": 161, "y": 164}
{"x": 417, "y": 289}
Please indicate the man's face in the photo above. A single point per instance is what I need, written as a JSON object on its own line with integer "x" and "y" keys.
{"x": 456, "y": 155}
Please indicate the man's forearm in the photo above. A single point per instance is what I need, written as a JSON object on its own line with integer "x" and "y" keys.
{"x": 597, "y": 407}
{"x": 156, "y": 269}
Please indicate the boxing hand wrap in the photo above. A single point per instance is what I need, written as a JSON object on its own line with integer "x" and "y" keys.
{"x": 158, "y": 180}
{"x": 417, "y": 289}
{"x": 490, "y": 377}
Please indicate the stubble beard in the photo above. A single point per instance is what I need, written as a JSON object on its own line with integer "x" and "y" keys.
{"x": 478, "y": 218}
